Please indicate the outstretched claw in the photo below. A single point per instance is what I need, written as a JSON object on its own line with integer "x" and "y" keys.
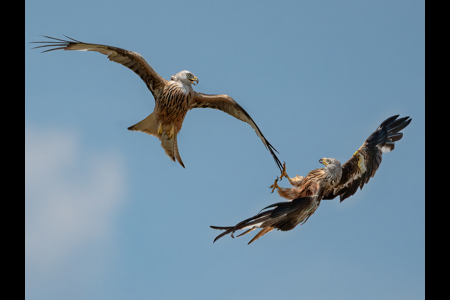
{"x": 160, "y": 129}
{"x": 283, "y": 172}
{"x": 274, "y": 185}
{"x": 170, "y": 133}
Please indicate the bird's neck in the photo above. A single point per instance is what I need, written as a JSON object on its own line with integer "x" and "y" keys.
{"x": 184, "y": 88}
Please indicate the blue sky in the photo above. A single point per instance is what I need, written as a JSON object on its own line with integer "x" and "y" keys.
{"x": 110, "y": 216}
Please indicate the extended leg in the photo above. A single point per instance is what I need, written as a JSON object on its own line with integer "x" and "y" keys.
{"x": 171, "y": 132}
{"x": 283, "y": 173}
{"x": 295, "y": 181}
{"x": 275, "y": 185}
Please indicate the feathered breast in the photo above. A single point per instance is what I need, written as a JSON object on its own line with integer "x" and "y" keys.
{"x": 173, "y": 103}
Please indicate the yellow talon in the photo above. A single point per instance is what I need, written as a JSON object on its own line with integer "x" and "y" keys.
{"x": 274, "y": 185}
{"x": 283, "y": 172}
{"x": 171, "y": 133}
{"x": 160, "y": 129}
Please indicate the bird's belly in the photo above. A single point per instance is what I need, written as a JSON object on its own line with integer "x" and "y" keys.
{"x": 172, "y": 111}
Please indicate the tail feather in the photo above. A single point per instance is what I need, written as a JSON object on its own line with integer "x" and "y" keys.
{"x": 175, "y": 149}
{"x": 260, "y": 234}
{"x": 150, "y": 126}
{"x": 171, "y": 148}
{"x": 168, "y": 146}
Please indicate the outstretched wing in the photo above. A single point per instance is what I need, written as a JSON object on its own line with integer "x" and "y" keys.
{"x": 227, "y": 104}
{"x": 283, "y": 216}
{"x": 365, "y": 162}
{"x": 129, "y": 59}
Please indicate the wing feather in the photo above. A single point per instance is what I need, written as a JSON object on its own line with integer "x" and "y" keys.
{"x": 283, "y": 216}
{"x": 129, "y": 59}
{"x": 362, "y": 166}
{"x": 227, "y": 104}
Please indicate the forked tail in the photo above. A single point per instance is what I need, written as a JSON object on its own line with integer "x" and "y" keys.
{"x": 150, "y": 126}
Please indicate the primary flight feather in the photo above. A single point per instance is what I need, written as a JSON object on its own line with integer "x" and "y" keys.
{"x": 173, "y": 98}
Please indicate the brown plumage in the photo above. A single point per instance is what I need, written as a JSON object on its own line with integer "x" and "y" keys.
{"x": 173, "y": 99}
{"x": 324, "y": 183}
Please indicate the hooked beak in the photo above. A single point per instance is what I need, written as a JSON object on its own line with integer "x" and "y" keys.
{"x": 323, "y": 161}
{"x": 194, "y": 79}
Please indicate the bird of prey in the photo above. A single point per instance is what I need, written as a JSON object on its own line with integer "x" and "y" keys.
{"x": 173, "y": 98}
{"x": 324, "y": 183}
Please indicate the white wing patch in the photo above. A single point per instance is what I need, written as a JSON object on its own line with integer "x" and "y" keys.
{"x": 361, "y": 163}
{"x": 386, "y": 149}
{"x": 257, "y": 225}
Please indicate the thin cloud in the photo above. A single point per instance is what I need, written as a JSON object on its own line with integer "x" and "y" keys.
{"x": 72, "y": 196}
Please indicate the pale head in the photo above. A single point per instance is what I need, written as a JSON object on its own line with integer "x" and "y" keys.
{"x": 185, "y": 77}
{"x": 329, "y": 161}
{"x": 333, "y": 168}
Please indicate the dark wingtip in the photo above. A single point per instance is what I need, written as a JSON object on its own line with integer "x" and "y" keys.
{"x": 388, "y": 120}
{"x": 58, "y": 43}
{"x": 228, "y": 229}
{"x": 272, "y": 151}
{"x": 77, "y": 41}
